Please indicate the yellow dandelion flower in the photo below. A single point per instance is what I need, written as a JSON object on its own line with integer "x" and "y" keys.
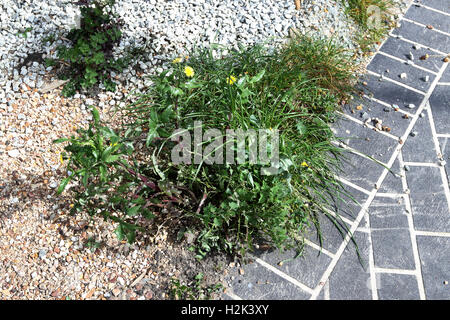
{"x": 71, "y": 205}
{"x": 176, "y": 60}
{"x": 231, "y": 79}
{"x": 188, "y": 71}
{"x": 304, "y": 164}
{"x": 61, "y": 158}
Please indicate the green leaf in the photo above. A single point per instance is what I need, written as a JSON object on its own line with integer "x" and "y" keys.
{"x": 63, "y": 184}
{"x": 133, "y": 211}
{"x": 119, "y": 232}
{"x": 258, "y": 77}
{"x": 96, "y": 115}
{"x": 301, "y": 127}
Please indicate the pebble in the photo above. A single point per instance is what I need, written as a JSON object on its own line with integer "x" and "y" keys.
{"x": 413, "y": 133}
{"x": 411, "y": 106}
{"x": 403, "y": 75}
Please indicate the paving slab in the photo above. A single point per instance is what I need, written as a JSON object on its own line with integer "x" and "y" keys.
{"x": 390, "y": 93}
{"x": 365, "y": 140}
{"x": 440, "y": 108}
{"x": 258, "y": 283}
{"x": 389, "y": 117}
{"x": 392, "y": 248}
{"x": 350, "y": 280}
{"x": 393, "y": 69}
{"x": 397, "y": 287}
{"x": 393, "y": 181}
{"x": 423, "y": 35}
{"x": 442, "y": 5}
{"x": 387, "y": 212}
{"x": 428, "y": 200}
{"x": 420, "y": 147}
{"x": 400, "y": 48}
{"x": 434, "y": 255}
{"x": 429, "y": 17}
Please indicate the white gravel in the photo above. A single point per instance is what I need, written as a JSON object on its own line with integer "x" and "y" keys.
{"x": 168, "y": 28}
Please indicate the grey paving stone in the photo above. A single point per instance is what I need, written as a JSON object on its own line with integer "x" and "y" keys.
{"x": 361, "y": 171}
{"x": 420, "y": 148}
{"x": 321, "y": 295}
{"x": 442, "y": 5}
{"x": 440, "y": 108}
{"x": 415, "y": 77}
{"x": 392, "y": 183}
{"x": 391, "y": 119}
{"x": 392, "y": 248}
{"x": 428, "y": 201}
{"x": 308, "y": 268}
{"x": 434, "y": 255}
{"x": 390, "y": 92}
{"x": 445, "y": 76}
{"x": 365, "y": 140}
{"x": 350, "y": 280}
{"x": 397, "y": 287}
{"x": 388, "y": 213}
{"x": 259, "y": 283}
{"x": 423, "y": 35}
{"x": 429, "y": 17}
{"x": 331, "y": 235}
{"x": 400, "y": 49}
{"x": 444, "y": 144}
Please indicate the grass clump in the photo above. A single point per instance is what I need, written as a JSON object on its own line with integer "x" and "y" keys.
{"x": 129, "y": 175}
{"x": 373, "y": 17}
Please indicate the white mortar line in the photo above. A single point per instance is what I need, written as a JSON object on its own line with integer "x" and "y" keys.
{"x": 318, "y": 248}
{"x": 443, "y": 135}
{"x": 354, "y": 226}
{"x": 397, "y": 83}
{"x": 422, "y": 164}
{"x": 423, "y": 25}
{"x": 233, "y": 296}
{"x": 367, "y": 125}
{"x": 432, "y": 9}
{"x": 432, "y": 234}
{"x": 405, "y": 62}
{"x": 417, "y": 43}
{"x": 283, "y": 275}
{"x": 346, "y": 220}
{"x": 354, "y": 186}
{"x": 443, "y": 83}
{"x": 326, "y": 291}
{"x": 396, "y": 271}
{"x": 412, "y": 234}
{"x": 389, "y": 195}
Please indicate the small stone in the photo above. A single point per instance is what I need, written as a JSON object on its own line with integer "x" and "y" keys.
{"x": 442, "y": 163}
{"x": 403, "y": 75}
{"x": 53, "y": 185}
{"x": 410, "y": 56}
{"x": 405, "y": 116}
{"x": 359, "y": 107}
{"x": 241, "y": 271}
{"x": 387, "y": 109}
{"x": 424, "y": 57}
{"x": 411, "y": 106}
{"x": 426, "y": 78}
{"x": 116, "y": 292}
{"x": 13, "y": 153}
{"x": 446, "y": 59}
{"x": 413, "y": 133}
{"x": 422, "y": 115}
{"x": 406, "y": 168}
{"x": 417, "y": 47}
{"x": 429, "y": 26}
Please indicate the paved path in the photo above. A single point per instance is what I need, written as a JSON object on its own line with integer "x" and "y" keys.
{"x": 403, "y": 224}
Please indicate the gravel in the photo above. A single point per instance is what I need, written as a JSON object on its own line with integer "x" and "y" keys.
{"x": 44, "y": 252}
